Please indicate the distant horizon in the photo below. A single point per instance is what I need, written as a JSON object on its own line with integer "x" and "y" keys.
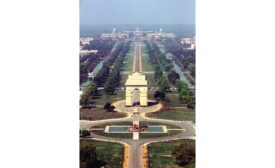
{"x": 95, "y": 29}
{"x": 108, "y": 24}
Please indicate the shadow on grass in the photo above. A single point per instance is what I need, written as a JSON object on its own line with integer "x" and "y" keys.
{"x": 149, "y": 103}
{"x": 98, "y": 164}
{"x": 152, "y": 103}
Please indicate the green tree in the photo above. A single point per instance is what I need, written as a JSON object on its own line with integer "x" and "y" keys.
{"x": 109, "y": 88}
{"x": 91, "y": 89}
{"x": 181, "y": 85}
{"x": 168, "y": 67}
{"x": 173, "y": 77}
{"x": 88, "y": 157}
{"x": 84, "y": 100}
{"x": 186, "y": 95}
{"x": 190, "y": 66}
{"x": 88, "y": 91}
{"x": 84, "y": 133}
{"x": 113, "y": 79}
{"x": 185, "y": 154}
{"x": 157, "y": 68}
{"x": 163, "y": 83}
{"x": 190, "y": 101}
{"x": 183, "y": 94}
{"x": 158, "y": 73}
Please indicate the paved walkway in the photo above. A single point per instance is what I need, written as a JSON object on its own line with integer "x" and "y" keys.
{"x": 154, "y": 106}
{"x": 144, "y": 72}
{"x": 137, "y": 60}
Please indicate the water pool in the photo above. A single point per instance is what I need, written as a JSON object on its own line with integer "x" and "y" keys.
{"x": 118, "y": 129}
{"x": 154, "y": 129}
{"x": 124, "y": 129}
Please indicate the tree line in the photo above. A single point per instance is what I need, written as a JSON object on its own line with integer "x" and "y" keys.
{"x": 186, "y": 96}
{"x": 109, "y": 76}
{"x": 114, "y": 78}
{"x": 103, "y": 73}
{"x": 156, "y": 57}
{"x": 89, "y": 62}
{"x": 160, "y": 63}
{"x": 88, "y": 92}
{"x": 184, "y": 58}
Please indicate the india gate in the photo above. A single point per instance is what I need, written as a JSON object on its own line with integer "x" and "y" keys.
{"x": 136, "y": 84}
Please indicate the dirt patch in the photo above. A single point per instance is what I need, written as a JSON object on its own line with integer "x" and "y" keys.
{"x": 99, "y": 114}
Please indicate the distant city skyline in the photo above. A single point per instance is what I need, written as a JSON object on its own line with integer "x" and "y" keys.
{"x": 93, "y": 12}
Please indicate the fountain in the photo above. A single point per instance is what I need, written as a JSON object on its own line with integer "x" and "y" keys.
{"x": 136, "y": 128}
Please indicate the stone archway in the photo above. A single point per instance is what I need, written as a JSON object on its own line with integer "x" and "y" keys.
{"x": 136, "y": 81}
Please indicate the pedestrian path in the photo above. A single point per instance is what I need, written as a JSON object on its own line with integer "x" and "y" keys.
{"x": 135, "y": 135}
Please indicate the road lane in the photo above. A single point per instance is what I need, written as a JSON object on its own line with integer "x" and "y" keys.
{"x": 137, "y": 60}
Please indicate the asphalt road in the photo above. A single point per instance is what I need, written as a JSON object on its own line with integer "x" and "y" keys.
{"x": 137, "y": 58}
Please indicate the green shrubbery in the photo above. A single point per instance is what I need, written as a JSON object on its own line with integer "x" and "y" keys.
{"x": 185, "y": 154}
{"x": 88, "y": 91}
{"x": 84, "y": 133}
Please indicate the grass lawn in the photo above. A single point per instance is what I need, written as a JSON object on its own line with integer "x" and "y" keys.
{"x": 141, "y": 135}
{"x": 108, "y": 152}
{"x": 146, "y": 65}
{"x": 151, "y": 81}
{"x": 123, "y": 79}
{"x": 160, "y": 154}
{"x": 99, "y": 114}
{"x": 144, "y": 48}
{"x": 104, "y": 98}
{"x": 172, "y": 99}
{"x": 128, "y": 60}
{"x": 155, "y": 135}
{"x": 174, "y": 114}
{"x": 168, "y": 126}
{"x": 151, "y": 95}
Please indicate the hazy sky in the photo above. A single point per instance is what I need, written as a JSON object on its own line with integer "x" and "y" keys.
{"x": 137, "y": 12}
